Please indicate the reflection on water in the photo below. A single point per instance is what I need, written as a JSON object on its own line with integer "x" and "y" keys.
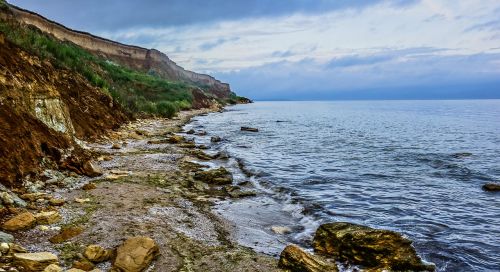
{"x": 411, "y": 166}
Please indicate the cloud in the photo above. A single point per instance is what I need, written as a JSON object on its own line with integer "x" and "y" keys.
{"x": 487, "y": 26}
{"x": 212, "y": 44}
{"x": 117, "y": 14}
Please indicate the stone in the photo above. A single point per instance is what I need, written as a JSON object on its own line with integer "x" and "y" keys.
{"x": 82, "y": 200}
{"x": 281, "y": 230}
{"x": 66, "y": 234}
{"x": 201, "y": 133}
{"x": 75, "y": 270}
{"x": 175, "y": 139}
{"x": 83, "y": 264}
{"x": 372, "y": 248}
{"x": 188, "y": 145}
{"x": 97, "y": 254}
{"x": 295, "y": 259}
{"x": 6, "y": 198}
{"x": 91, "y": 170}
{"x": 201, "y": 155}
{"x": 219, "y": 176}
{"x": 491, "y": 187}
{"x": 4, "y": 248}
{"x": 89, "y": 186}
{"x": 135, "y": 254}
{"x": 21, "y": 221}
{"x": 57, "y": 202}
{"x": 48, "y": 218}
{"x": 33, "y": 196}
{"x": 15, "y": 248}
{"x": 215, "y": 139}
{"x": 116, "y": 146}
{"x": 53, "y": 268}
{"x": 249, "y": 129}
{"x": 191, "y": 131}
{"x": 6, "y": 238}
{"x": 34, "y": 261}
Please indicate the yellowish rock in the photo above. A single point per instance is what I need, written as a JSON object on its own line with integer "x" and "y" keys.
{"x": 48, "y": 218}
{"x": 135, "y": 254}
{"x": 19, "y": 222}
{"x": 34, "y": 261}
{"x": 53, "y": 268}
{"x": 97, "y": 254}
{"x": 56, "y": 202}
{"x": 82, "y": 200}
{"x": 75, "y": 270}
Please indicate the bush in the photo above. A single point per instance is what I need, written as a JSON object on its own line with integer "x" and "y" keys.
{"x": 166, "y": 109}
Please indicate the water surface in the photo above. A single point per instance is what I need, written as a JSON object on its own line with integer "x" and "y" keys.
{"x": 415, "y": 167}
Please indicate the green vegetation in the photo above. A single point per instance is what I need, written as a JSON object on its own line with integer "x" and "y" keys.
{"x": 137, "y": 91}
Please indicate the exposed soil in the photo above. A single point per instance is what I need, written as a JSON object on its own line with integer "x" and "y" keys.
{"x": 27, "y": 144}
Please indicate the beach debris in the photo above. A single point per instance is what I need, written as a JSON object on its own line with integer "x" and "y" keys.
{"x": 21, "y": 221}
{"x": 219, "y": 176}
{"x": 250, "y": 129}
{"x": 135, "y": 254}
{"x": 34, "y": 261}
{"x": 372, "y": 248}
{"x": 295, "y": 259}
{"x": 491, "y": 187}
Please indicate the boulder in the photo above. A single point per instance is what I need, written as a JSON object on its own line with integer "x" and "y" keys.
{"x": 66, "y": 234}
{"x": 491, "y": 187}
{"x": 91, "y": 170}
{"x": 371, "y": 248}
{"x": 97, "y": 254}
{"x": 21, "y": 221}
{"x": 295, "y": 259}
{"x": 219, "y": 176}
{"x": 6, "y": 238}
{"x": 53, "y": 268}
{"x": 215, "y": 139}
{"x": 249, "y": 129}
{"x": 175, "y": 139}
{"x": 135, "y": 254}
{"x": 48, "y": 218}
{"x": 34, "y": 261}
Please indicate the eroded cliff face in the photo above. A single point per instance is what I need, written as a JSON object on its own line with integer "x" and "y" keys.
{"x": 43, "y": 111}
{"x": 131, "y": 56}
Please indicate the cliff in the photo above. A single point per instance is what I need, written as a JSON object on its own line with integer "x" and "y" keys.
{"x": 131, "y": 56}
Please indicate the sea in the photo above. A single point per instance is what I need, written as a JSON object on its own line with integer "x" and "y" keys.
{"x": 415, "y": 167}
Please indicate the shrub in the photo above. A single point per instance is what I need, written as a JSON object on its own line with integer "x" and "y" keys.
{"x": 166, "y": 109}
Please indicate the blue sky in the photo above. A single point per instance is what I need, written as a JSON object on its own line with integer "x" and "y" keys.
{"x": 311, "y": 49}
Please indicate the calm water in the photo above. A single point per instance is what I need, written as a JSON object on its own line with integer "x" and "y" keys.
{"x": 415, "y": 167}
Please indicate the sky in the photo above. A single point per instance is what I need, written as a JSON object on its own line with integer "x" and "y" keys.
{"x": 310, "y": 49}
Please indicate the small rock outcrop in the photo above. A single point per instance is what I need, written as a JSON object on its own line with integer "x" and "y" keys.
{"x": 21, "y": 221}
{"x": 371, "y": 248}
{"x": 135, "y": 254}
{"x": 34, "y": 261}
{"x": 491, "y": 187}
{"x": 250, "y": 129}
{"x": 219, "y": 176}
{"x": 295, "y": 259}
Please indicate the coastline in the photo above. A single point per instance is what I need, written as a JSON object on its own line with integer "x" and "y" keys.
{"x": 146, "y": 189}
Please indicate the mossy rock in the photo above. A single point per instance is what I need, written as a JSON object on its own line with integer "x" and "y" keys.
{"x": 371, "y": 248}
{"x": 219, "y": 176}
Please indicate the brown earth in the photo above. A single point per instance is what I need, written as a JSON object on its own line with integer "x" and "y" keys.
{"x": 34, "y": 94}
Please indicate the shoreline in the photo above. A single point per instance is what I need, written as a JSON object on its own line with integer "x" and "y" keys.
{"x": 146, "y": 189}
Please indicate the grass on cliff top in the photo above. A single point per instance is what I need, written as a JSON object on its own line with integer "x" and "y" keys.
{"x": 135, "y": 90}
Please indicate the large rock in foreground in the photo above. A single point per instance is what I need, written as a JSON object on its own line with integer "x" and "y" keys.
{"x": 295, "y": 259}
{"x": 135, "y": 254}
{"x": 34, "y": 261}
{"x": 21, "y": 221}
{"x": 371, "y": 248}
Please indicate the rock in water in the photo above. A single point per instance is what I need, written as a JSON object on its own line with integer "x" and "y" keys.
{"x": 491, "y": 187}
{"x": 97, "y": 254}
{"x": 219, "y": 176}
{"x": 371, "y": 248}
{"x": 215, "y": 139}
{"x": 295, "y": 259}
{"x": 249, "y": 129}
{"x": 135, "y": 254}
{"x": 34, "y": 261}
{"x": 19, "y": 222}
